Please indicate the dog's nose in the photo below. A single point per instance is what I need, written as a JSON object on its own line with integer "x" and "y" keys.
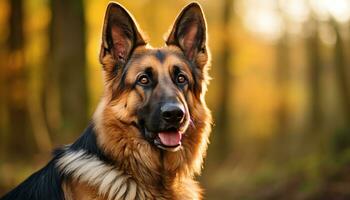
{"x": 172, "y": 113}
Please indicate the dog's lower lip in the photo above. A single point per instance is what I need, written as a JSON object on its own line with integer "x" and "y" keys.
{"x": 170, "y": 138}
{"x": 159, "y": 144}
{"x": 157, "y": 141}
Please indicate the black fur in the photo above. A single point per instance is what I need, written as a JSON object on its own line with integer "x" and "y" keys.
{"x": 87, "y": 142}
{"x": 42, "y": 185}
{"x": 45, "y": 184}
{"x": 160, "y": 56}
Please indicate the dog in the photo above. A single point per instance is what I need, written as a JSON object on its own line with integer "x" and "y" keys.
{"x": 149, "y": 134}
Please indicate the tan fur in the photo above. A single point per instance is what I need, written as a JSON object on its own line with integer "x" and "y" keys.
{"x": 168, "y": 176}
{"x": 74, "y": 190}
{"x": 153, "y": 173}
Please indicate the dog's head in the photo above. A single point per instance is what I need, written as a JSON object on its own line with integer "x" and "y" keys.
{"x": 155, "y": 90}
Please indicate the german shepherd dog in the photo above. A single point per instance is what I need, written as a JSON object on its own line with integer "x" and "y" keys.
{"x": 149, "y": 133}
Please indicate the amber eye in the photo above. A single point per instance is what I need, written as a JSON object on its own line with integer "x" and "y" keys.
{"x": 181, "y": 78}
{"x": 143, "y": 79}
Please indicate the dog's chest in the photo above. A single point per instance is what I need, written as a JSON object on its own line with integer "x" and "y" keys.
{"x": 88, "y": 177}
{"x": 74, "y": 190}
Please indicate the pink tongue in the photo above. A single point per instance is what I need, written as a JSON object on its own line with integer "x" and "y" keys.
{"x": 170, "y": 138}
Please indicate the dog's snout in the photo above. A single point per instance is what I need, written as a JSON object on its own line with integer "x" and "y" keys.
{"x": 172, "y": 113}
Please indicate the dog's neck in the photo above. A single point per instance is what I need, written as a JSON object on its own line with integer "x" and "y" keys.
{"x": 137, "y": 157}
{"x": 124, "y": 159}
{"x": 126, "y": 172}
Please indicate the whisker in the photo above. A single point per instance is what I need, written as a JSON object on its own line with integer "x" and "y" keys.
{"x": 192, "y": 123}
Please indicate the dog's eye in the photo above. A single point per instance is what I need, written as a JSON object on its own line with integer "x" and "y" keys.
{"x": 143, "y": 79}
{"x": 181, "y": 78}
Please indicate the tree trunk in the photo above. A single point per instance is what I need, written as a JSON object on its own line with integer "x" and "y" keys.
{"x": 222, "y": 139}
{"x": 3, "y": 105}
{"x": 282, "y": 80}
{"x": 342, "y": 75}
{"x": 66, "y": 92}
{"x": 16, "y": 90}
{"x": 313, "y": 48}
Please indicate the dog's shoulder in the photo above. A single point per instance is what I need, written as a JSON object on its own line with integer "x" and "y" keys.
{"x": 47, "y": 182}
{"x": 42, "y": 185}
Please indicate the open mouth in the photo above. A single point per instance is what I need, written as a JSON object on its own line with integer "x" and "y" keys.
{"x": 169, "y": 140}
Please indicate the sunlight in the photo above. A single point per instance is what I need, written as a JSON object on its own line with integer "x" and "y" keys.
{"x": 267, "y": 23}
{"x": 339, "y": 9}
{"x": 270, "y": 18}
{"x": 296, "y": 10}
{"x": 262, "y": 19}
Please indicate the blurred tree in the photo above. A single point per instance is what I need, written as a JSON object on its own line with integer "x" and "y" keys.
{"x": 66, "y": 84}
{"x": 3, "y": 106}
{"x": 16, "y": 90}
{"x": 342, "y": 76}
{"x": 282, "y": 80}
{"x": 315, "y": 68}
{"x": 223, "y": 120}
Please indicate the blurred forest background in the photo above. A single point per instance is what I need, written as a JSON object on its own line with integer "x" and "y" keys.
{"x": 280, "y": 92}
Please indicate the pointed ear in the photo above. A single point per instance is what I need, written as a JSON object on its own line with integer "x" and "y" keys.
{"x": 189, "y": 31}
{"x": 120, "y": 34}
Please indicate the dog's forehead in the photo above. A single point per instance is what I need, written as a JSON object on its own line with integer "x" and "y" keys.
{"x": 161, "y": 60}
{"x": 160, "y": 54}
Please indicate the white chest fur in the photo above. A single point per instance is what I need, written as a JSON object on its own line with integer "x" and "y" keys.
{"x": 110, "y": 182}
